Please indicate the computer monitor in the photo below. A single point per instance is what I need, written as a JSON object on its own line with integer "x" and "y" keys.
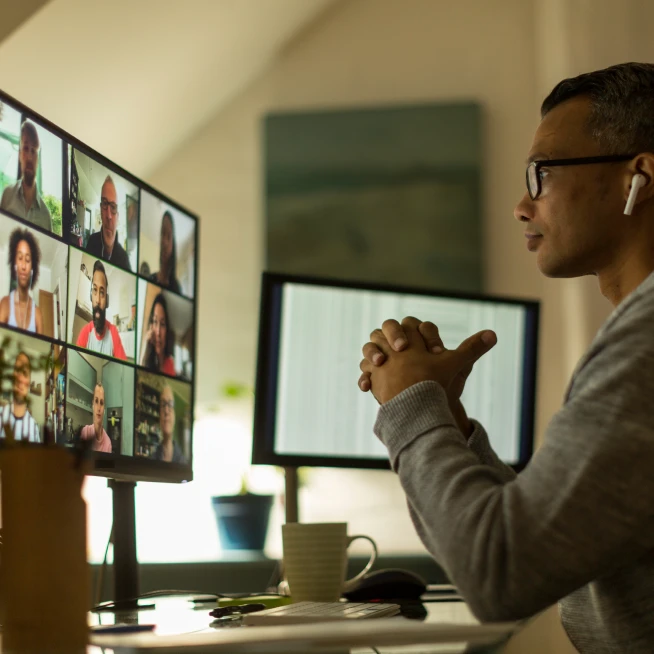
{"x": 97, "y": 311}
{"x": 309, "y": 410}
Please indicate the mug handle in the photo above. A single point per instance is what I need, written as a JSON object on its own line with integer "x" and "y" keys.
{"x": 349, "y": 583}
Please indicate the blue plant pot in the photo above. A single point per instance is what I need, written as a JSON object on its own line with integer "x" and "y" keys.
{"x": 242, "y": 520}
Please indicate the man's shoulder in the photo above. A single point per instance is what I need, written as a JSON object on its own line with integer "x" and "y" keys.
{"x": 8, "y": 194}
{"x": 85, "y": 331}
{"x": 120, "y": 256}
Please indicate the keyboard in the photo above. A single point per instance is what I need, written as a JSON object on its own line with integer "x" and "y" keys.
{"x": 304, "y": 612}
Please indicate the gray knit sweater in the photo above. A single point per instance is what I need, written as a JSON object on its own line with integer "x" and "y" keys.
{"x": 577, "y": 525}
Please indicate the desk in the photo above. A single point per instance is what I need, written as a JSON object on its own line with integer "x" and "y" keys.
{"x": 177, "y": 616}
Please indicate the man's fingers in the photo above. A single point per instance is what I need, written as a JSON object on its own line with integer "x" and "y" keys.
{"x": 371, "y": 352}
{"x": 432, "y": 338}
{"x": 364, "y": 382}
{"x": 474, "y": 347}
{"x": 394, "y": 334}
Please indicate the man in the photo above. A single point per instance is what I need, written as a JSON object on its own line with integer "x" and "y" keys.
{"x": 168, "y": 449}
{"x": 18, "y": 308}
{"x": 23, "y": 198}
{"x": 15, "y": 417}
{"x": 100, "y": 335}
{"x": 576, "y": 525}
{"x": 105, "y": 243}
{"x": 101, "y": 440}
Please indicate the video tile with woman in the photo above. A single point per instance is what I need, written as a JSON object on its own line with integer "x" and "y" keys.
{"x": 163, "y": 418}
{"x": 101, "y": 307}
{"x": 104, "y": 211}
{"x": 167, "y": 246}
{"x": 31, "y": 395}
{"x": 31, "y": 170}
{"x": 165, "y": 331}
{"x": 99, "y": 403}
{"x": 33, "y": 280}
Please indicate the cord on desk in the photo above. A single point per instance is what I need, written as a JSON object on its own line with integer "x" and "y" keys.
{"x": 99, "y": 585}
{"x": 108, "y": 606}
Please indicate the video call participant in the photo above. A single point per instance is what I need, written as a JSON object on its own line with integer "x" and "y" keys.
{"x": 105, "y": 243}
{"x": 101, "y": 440}
{"x": 18, "y": 309}
{"x": 100, "y": 335}
{"x": 23, "y": 198}
{"x": 168, "y": 449}
{"x": 15, "y": 415}
{"x": 160, "y": 339}
{"x": 167, "y": 256}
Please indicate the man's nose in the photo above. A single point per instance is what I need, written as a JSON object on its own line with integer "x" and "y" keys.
{"x": 524, "y": 209}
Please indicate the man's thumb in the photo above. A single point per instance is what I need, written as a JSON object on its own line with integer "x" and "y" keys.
{"x": 474, "y": 347}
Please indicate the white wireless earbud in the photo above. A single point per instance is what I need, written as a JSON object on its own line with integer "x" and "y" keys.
{"x": 637, "y": 182}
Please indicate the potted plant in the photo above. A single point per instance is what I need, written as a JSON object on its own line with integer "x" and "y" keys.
{"x": 242, "y": 519}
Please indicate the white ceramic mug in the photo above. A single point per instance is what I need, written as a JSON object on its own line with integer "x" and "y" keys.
{"x": 315, "y": 559}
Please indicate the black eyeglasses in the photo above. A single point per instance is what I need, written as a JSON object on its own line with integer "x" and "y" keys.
{"x": 533, "y": 169}
{"x": 112, "y": 206}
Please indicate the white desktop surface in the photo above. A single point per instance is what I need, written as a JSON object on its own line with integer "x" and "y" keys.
{"x": 449, "y": 628}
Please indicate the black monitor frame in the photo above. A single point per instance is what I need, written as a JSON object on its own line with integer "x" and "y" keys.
{"x": 263, "y": 448}
{"x": 119, "y": 467}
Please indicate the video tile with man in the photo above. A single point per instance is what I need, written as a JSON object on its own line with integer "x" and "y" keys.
{"x": 31, "y": 170}
{"x": 162, "y": 418}
{"x": 99, "y": 403}
{"x": 104, "y": 211}
{"x": 101, "y": 307}
{"x": 33, "y": 280}
{"x": 167, "y": 246}
{"x": 165, "y": 331}
{"x": 31, "y": 393}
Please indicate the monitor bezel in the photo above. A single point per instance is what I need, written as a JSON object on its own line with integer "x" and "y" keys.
{"x": 263, "y": 442}
{"x": 121, "y": 467}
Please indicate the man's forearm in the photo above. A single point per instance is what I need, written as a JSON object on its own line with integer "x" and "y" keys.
{"x": 461, "y": 417}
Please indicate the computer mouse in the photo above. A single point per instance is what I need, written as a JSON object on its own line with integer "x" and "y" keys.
{"x": 392, "y": 583}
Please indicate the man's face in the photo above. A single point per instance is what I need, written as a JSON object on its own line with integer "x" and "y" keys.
{"x": 23, "y": 263}
{"x": 28, "y": 157}
{"x": 21, "y": 378}
{"x": 99, "y": 300}
{"x": 167, "y": 412}
{"x": 574, "y": 225}
{"x": 98, "y": 407}
{"x": 109, "y": 212}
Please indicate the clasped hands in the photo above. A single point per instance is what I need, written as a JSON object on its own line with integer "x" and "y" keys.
{"x": 400, "y": 355}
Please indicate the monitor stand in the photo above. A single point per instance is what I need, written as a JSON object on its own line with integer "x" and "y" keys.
{"x": 126, "y": 565}
{"x": 291, "y": 495}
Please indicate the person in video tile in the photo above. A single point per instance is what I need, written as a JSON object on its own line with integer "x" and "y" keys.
{"x": 100, "y": 335}
{"x": 167, "y": 256}
{"x": 101, "y": 440}
{"x": 168, "y": 449}
{"x": 160, "y": 339}
{"x": 23, "y": 198}
{"x": 105, "y": 244}
{"x": 15, "y": 415}
{"x": 18, "y": 309}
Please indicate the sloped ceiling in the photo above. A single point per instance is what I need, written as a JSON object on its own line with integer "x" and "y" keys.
{"x": 135, "y": 78}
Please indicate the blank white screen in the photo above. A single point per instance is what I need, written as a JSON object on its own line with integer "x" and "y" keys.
{"x": 320, "y": 410}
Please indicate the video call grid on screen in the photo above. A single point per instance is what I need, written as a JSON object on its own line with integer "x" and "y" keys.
{"x": 321, "y": 327}
{"x": 47, "y": 180}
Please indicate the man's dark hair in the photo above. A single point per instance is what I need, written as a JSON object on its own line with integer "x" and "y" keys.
{"x": 622, "y": 106}
{"x": 28, "y": 129}
{"x": 98, "y": 266}
{"x": 16, "y": 237}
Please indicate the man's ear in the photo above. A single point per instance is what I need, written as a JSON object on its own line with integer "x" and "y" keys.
{"x": 640, "y": 188}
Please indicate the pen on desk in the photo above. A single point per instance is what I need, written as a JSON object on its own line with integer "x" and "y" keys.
{"x": 122, "y": 628}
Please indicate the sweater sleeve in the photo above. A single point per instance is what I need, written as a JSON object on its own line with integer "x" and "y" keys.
{"x": 478, "y": 442}
{"x": 581, "y": 509}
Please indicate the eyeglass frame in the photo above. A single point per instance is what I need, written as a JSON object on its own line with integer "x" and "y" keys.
{"x": 540, "y": 163}
{"x": 112, "y": 206}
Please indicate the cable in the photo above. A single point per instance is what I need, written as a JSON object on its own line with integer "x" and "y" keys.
{"x": 109, "y": 606}
{"x": 97, "y": 596}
